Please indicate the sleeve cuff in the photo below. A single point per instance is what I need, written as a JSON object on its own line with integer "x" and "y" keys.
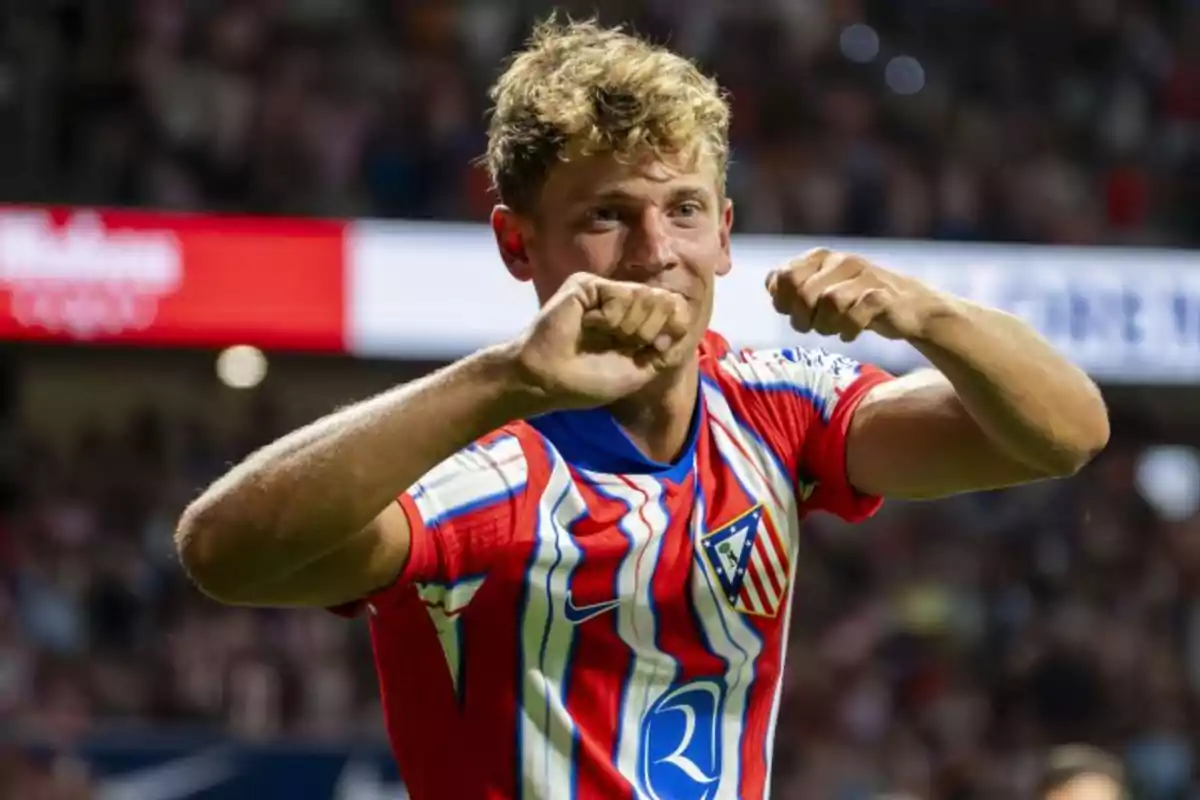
{"x": 840, "y": 497}
{"x": 420, "y": 555}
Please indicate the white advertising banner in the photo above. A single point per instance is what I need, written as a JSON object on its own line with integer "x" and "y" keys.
{"x": 425, "y": 290}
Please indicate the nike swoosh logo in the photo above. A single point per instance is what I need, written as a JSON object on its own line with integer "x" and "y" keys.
{"x": 580, "y": 614}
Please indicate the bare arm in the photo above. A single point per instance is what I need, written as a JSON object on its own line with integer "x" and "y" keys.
{"x": 311, "y": 518}
{"x": 1002, "y": 408}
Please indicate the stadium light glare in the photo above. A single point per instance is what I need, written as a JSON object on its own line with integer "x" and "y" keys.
{"x": 242, "y": 366}
{"x": 859, "y": 43}
{"x": 904, "y": 75}
{"x": 1168, "y": 477}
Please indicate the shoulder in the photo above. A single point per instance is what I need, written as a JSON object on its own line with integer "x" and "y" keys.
{"x": 815, "y": 375}
{"x": 505, "y": 462}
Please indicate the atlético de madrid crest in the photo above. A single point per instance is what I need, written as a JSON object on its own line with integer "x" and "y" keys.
{"x": 751, "y": 562}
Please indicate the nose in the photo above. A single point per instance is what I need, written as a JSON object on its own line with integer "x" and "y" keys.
{"x": 649, "y": 246}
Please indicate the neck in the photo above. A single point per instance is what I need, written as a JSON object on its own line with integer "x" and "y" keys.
{"x": 658, "y": 418}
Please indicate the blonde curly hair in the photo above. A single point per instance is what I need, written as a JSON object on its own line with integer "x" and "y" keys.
{"x": 579, "y": 89}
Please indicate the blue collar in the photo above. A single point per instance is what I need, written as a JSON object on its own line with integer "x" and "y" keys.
{"x": 593, "y": 440}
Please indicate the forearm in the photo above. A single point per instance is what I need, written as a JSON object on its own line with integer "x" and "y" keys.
{"x": 307, "y": 493}
{"x": 1028, "y": 399}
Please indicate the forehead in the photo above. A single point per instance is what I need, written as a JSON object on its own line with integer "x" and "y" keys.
{"x": 580, "y": 178}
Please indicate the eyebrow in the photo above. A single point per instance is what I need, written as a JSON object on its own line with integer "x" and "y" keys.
{"x": 677, "y": 194}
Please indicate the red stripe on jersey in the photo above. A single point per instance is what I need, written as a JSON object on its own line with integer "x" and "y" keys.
{"x": 679, "y": 631}
{"x": 492, "y": 638}
{"x": 460, "y": 543}
{"x": 420, "y": 706}
{"x": 428, "y": 726}
{"x": 600, "y": 659}
{"x": 773, "y": 581}
{"x": 763, "y": 606}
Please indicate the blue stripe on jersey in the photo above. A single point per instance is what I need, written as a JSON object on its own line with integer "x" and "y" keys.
{"x": 783, "y": 386}
{"x": 573, "y": 781}
{"x": 550, "y": 601}
{"x": 475, "y": 505}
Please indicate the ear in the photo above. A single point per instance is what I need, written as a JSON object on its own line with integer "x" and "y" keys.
{"x": 510, "y": 239}
{"x": 726, "y": 231}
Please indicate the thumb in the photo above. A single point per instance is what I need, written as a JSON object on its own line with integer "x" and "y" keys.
{"x": 772, "y": 282}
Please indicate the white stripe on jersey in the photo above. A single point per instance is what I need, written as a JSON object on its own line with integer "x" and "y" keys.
{"x": 731, "y": 639}
{"x": 546, "y": 732}
{"x": 471, "y": 477}
{"x": 773, "y": 559}
{"x": 763, "y": 595}
{"x": 816, "y": 374}
{"x": 445, "y": 603}
{"x": 770, "y": 479}
{"x": 645, "y": 525}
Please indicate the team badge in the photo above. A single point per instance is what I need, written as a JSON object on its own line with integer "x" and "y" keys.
{"x": 751, "y": 563}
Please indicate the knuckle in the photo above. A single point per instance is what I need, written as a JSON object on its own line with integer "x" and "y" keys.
{"x": 815, "y": 255}
{"x": 582, "y": 280}
{"x": 841, "y": 297}
{"x": 810, "y": 293}
{"x": 873, "y": 300}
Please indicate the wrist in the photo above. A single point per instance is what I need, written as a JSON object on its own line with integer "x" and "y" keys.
{"x": 944, "y": 321}
{"x": 514, "y": 392}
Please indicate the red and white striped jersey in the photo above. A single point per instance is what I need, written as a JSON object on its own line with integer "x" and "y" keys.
{"x": 576, "y": 621}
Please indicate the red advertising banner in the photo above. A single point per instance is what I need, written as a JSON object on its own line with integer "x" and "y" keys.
{"x": 166, "y": 279}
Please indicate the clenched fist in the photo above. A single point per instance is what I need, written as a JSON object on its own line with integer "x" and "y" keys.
{"x": 838, "y": 294}
{"x": 599, "y": 340}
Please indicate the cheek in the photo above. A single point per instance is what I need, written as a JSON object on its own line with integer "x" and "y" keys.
{"x": 597, "y": 255}
{"x": 555, "y": 261}
{"x": 707, "y": 254}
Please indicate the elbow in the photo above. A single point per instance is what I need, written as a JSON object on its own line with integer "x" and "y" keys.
{"x": 1084, "y": 437}
{"x": 202, "y": 544}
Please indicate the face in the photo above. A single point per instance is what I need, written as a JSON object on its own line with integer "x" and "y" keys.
{"x": 1087, "y": 787}
{"x": 659, "y": 223}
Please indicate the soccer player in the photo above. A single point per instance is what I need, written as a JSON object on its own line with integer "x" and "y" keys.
{"x": 576, "y": 549}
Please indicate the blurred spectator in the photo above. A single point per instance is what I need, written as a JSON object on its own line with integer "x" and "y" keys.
{"x": 1061, "y": 122}
{"x": 1081, "y": 773}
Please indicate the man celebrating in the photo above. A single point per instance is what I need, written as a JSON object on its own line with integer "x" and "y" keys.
{"x": 577, "y": 548}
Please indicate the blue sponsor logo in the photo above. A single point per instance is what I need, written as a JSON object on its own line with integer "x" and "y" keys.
{"x": 681, "y": 742}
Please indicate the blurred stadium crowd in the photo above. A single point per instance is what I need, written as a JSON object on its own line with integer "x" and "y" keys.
{"x": 936, "y": 651}
{"x": 1017, "y": 120}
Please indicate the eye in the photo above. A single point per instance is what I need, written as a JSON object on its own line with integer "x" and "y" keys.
{"x": 603, "y": 215}
{"x": 688, "y": 209}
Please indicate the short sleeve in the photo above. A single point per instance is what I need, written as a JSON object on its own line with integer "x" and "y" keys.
{"x": 802, "y": 401}
{"x": 463, "y": 514}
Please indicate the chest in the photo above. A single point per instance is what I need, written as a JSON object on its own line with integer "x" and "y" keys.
{"x": 712, "y": 549}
